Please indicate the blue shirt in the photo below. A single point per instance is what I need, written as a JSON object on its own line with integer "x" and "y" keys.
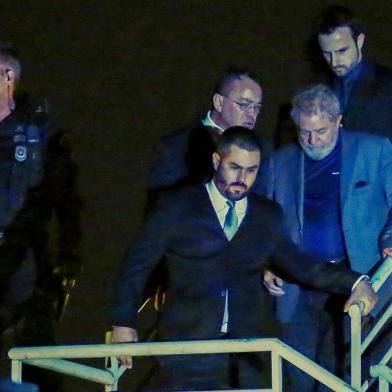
{"x": 323, "y": 233}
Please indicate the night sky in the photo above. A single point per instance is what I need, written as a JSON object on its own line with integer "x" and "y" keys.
{"x": 120, "y": 74}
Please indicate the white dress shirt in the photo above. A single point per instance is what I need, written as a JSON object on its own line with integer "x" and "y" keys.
{"x": 219, "y": 202}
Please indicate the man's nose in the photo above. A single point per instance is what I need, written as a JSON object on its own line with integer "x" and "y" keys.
{"x": 241, "y": 176}
{"x": 334, "y": 60}
{"x": 253, "y": 112}
{"x": 312, "y": 138}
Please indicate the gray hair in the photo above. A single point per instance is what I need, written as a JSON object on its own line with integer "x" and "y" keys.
{"x": 10, "y": 59}
{"x": 315, "y": 99}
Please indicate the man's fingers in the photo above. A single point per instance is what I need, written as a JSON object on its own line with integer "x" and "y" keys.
{"x": 362, "y": 293}
{"x": 387, "y": 252}
{"x": 277, "y": 292}
{"x": 369, "y": 305}
{"x": 124, "y": 335}
{"x": 274, "y": 289}
{"x": 126, "y": 361}
{"x": 350, "y": 302}
{"x": 279, "y": 281}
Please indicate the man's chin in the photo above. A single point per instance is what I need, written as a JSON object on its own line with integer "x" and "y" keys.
{"x": 249, "y": 125}
{"x": 318, "y": 154}
{"x": 340, "y": 71}
{"x": 236, "y": 195}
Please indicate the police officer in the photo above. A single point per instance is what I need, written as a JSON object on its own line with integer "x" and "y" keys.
{"x": 37, "y": 181}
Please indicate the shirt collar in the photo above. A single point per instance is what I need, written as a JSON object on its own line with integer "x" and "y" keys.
{"x": 209, "y": 122}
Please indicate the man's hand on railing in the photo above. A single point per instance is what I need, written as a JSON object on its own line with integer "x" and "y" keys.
{"x": 387, "y": 252}
{"x": 362, "y": 293}
{"x": 124, "y": 335}
{"x": 273, "y": 283}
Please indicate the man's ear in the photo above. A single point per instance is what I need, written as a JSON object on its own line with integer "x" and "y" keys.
{"x": 215, "y": 160}
{"x": 339, "y": 120}
{"x": 217, "y": 100}
{"x": 10, "y": 76}
{"x": 360, "y": 41}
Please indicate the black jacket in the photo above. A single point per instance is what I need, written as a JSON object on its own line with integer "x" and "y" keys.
{"x": 369, "y": 107}
{"x": 202, "y": 263}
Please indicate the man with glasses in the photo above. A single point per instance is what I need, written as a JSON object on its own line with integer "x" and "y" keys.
{"x": 183, "y": 157}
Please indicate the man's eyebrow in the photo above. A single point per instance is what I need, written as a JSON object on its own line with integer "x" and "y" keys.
{"x": 236, "y": 165}
{"x": 247, "y": 100}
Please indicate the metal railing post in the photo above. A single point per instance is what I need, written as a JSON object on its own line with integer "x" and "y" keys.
{"x": 384, "y": 374}
{"x": 383, "y": 385}
{"x": 356, "y": 349}
{"x": 16, "y": 371}
{"x": 276, "y": 370}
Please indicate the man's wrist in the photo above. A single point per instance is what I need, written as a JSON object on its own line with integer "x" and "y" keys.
{"x": 362, "y": 278}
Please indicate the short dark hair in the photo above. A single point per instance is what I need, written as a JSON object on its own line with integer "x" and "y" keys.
{"x": 10, "y": 58}
{"x": 337, "y": 16}
{"x": 240, "y": 136}
{"x": 233, "y": 73}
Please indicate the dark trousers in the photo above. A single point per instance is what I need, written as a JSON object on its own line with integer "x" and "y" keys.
{"x": 210, "y": 372}
{"x": 29, "y": 311}
{"x": 317, "y": 331}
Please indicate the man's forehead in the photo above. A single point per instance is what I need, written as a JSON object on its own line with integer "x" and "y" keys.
{"x": 235, "y": 152}
{"x": 243, "y": 85}
{"x": 316, "y": 118}
{"x": 337, "y": 36}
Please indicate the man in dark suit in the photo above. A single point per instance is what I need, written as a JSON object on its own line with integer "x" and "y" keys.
{"x": 184, "y": 157}
{"x": 217, "y": 238}
{"x": 364, "y": 88}
{"x": 335, "y": 188}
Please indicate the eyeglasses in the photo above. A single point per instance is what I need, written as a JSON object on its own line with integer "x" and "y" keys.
{"x": 244, "y": 106}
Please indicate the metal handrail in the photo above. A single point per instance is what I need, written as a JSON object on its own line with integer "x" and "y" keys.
{"x": 53, "y": 358}
{"x": 384, "y": 375}
{"x": 358, "y": 346}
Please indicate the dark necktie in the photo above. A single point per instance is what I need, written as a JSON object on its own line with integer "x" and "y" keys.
{"x": 231, "y": 221}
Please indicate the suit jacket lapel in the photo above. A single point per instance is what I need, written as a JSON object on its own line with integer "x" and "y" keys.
{"x": 298, "y": 180}
{"x": 207, "y": 210}
{"x": 362, "y": 87}
{"x": 348, "y": 160}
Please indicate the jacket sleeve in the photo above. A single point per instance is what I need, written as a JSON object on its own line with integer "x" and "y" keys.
{"x": 139, "y": 262}
{"x": 385, "y": 240}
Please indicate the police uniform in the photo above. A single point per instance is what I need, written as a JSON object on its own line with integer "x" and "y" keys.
{"x": 37, "y": 181}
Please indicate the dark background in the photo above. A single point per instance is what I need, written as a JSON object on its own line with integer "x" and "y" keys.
{"x": 120, "y": 74}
